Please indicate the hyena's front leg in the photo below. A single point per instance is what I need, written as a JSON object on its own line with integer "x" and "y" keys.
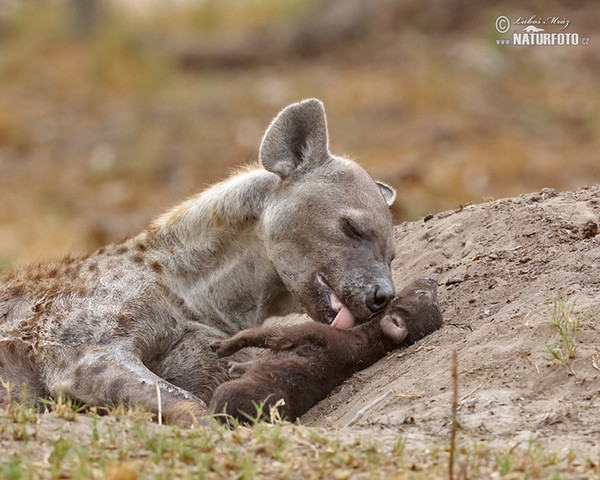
{"x": 110, "y": 378}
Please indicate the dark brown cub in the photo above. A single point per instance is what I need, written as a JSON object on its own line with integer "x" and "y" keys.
{"x": 307, "y": 361}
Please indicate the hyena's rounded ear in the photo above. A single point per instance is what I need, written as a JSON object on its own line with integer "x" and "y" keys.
{"x": 388, "y": 192}
{"x": 296, "y": 140}
{"x": 394, "y": 328}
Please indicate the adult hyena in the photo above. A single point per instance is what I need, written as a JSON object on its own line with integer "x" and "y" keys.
{"x": 308, "y": 231}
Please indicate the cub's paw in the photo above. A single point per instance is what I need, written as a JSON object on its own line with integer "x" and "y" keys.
{"x": 218, "y": 347}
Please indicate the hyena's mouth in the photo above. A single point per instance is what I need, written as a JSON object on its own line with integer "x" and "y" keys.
{"x": 344, "y": 317}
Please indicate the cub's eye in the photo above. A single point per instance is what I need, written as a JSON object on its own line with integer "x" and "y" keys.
{"x": 352, "y": 231}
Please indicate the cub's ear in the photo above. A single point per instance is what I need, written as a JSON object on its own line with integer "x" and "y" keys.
{"x": 394, "y": 328}
{"x": 388, "y": 193}
{"x": 297, "y": 140}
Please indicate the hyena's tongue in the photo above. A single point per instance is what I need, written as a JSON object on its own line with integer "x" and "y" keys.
{"x": 344, "y": 319}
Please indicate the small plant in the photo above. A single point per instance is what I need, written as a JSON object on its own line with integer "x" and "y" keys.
{"x": 12, "y": 469}
{"x": 503, "y": 464}
{"x": 567, "y": 325}
{"x": 398, "y": 450}
{"x": 135, "y": 413}
{"x": 18, "y": 412}
{"x": 64, "y": 408}
{"x": 274, "y": 416}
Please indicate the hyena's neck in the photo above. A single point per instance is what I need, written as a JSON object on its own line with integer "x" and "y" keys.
{"x": 212, "y": 251}
{"x": 228, "y": 206}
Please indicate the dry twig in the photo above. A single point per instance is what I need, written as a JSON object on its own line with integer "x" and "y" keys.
{"x": 454, "y": 421}
{"x": 363, "y": 410}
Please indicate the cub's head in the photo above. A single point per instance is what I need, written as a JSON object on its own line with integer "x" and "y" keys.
{"x": 328, "y": 230}
{"x": 414, "y": 313}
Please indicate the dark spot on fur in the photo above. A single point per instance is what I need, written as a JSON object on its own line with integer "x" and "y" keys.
{"x": 76, "y": 354}
{"x": 93, "y": 267}
{"x": 125, "y": 324}
{"x": 121, "y": 250}
{"x": 140, "y": 246}
{"x": 74, "y": 270}
{"x": 116, "y": 387}
{"x": 124, "y": 318}
{"x": 102, "y": 251}
{"x": 98, "y": 368}
{"x": 15, "y": 292}
{"x": 139, "y": 259}
{"x": 68, "y": 338}
{"x": 52, "y": 273}
{"x": 156, "y": 266}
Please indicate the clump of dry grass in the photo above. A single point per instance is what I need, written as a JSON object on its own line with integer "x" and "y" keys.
{"x": 567, "y": 325}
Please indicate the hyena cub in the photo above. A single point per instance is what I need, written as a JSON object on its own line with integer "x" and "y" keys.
{"x": 306, "y": 361}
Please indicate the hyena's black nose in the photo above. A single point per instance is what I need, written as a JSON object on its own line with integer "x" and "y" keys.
{"x": 379, "y": 297}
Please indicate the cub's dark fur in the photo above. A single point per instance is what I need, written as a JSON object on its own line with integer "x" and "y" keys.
{"x": 306, "y": 361}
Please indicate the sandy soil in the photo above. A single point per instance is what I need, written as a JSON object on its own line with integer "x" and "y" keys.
{"x": 502, "y": 266}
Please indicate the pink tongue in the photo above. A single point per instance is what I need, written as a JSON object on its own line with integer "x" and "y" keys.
{"x": 344, "y": 319}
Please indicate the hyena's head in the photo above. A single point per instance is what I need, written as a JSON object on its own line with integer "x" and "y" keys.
{"x": 328, "y": 229}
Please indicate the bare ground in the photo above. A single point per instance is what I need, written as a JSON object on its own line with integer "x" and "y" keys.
{"x": 502, "y": 266}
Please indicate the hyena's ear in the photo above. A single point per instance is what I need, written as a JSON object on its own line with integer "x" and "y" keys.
{"x": 296, "y": 140}
{"x": 394, "y": 328}
{"x": 388, "y": 193}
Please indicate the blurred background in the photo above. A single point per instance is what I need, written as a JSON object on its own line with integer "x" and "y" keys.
{"x": 110, "y": 112}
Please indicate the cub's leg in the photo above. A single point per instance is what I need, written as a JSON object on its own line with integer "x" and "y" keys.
{"x": 274, "y": 338}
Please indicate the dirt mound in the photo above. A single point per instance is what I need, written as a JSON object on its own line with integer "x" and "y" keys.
{"x": 503, "y": 268}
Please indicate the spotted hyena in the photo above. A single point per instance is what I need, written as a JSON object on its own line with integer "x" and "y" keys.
{"x": 303, "y": 231}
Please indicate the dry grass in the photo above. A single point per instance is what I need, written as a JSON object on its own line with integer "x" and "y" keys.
{"x": 44, "y": 446}
{"x": 122, "y": 444}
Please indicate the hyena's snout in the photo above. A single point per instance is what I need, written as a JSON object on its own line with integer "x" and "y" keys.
{"x": 379, "y": 296}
